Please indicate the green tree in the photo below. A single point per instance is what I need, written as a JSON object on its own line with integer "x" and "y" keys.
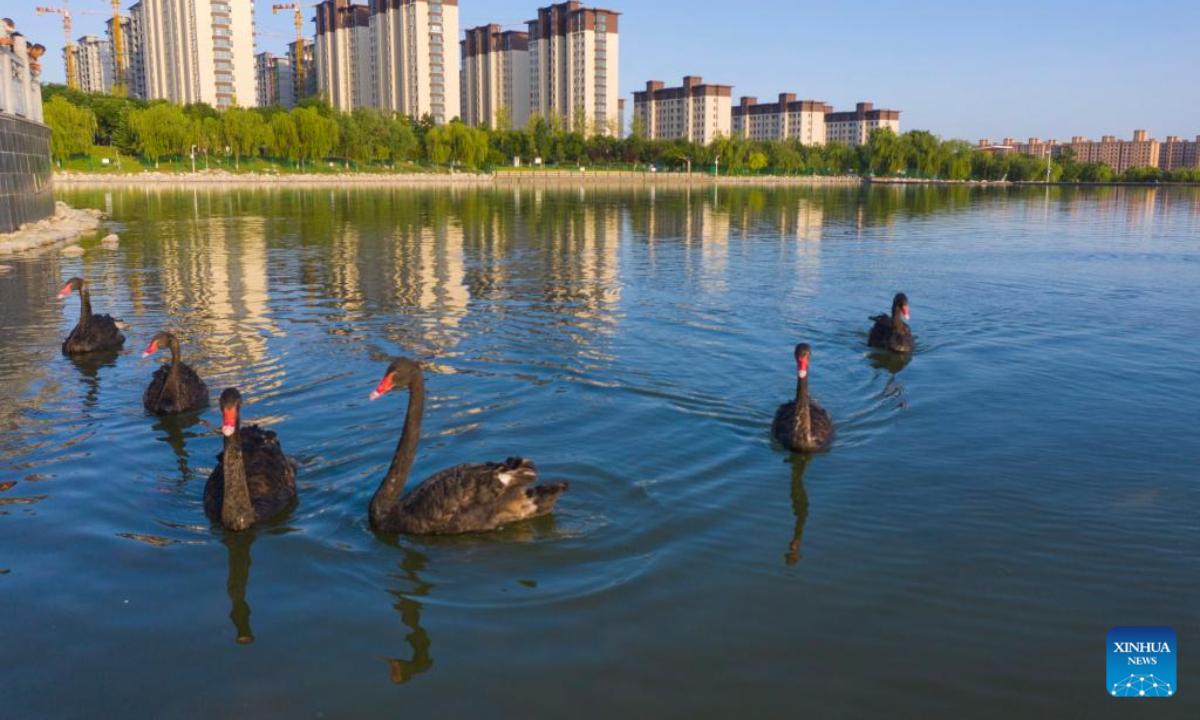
{"x": 884, "y": 153}
{"x": 285, "y": 140}
{"x": 318, "y": 133}
{"x": 757, "y": 161}
{"x": 160, "y": 130}
{"x": 402, "y": 142}
{"x": 244, "y": 132}
{"x": 74, "y": 128}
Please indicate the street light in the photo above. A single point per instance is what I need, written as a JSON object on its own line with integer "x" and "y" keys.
{"x": 717, "y": 167}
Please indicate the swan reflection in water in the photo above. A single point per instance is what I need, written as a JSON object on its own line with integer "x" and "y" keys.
{"x": 401, "y": 671}
{"x": 799, "y": 508}
{"x": 408, "y": 600}
{"x": 892, "y": 364}
{"x": 238, "y": 544}
{"x": 174, "y": 431}
{"x": 89, "y": 367}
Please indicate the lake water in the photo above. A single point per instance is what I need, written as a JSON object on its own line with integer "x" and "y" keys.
{"x": 988, "y": 511}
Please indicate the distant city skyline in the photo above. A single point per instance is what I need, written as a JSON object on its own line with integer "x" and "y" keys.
{"x": 966, "y": 71}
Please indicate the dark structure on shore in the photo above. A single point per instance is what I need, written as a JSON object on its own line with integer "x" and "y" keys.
{"x": 26, "y": 177}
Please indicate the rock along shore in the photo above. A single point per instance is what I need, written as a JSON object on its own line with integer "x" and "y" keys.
{"x": 66, "y": 225}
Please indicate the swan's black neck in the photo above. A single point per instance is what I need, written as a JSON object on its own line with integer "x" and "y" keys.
{"x": 85, "y": 305}
{"x": 387, "y": 497}
{"x": 897, "y": 318}
{"x": 802, "y": 427}
{"x": 236, "y": 511}
{"x": 173, "y": 373}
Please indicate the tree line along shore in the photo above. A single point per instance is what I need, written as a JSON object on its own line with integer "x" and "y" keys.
{"x": 103, "y": 133}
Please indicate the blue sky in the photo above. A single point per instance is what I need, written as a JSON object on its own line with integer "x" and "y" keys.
{"x": 964, "y": 69}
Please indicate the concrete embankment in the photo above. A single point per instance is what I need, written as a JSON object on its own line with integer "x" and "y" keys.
{"x": 66, "y": 225}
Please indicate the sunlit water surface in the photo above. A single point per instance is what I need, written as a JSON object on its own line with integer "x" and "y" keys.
{"x": 989, "y": 510}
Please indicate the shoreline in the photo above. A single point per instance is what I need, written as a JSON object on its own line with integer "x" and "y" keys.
{"x": 573, "y": 178}
{"x": 506, "y": 179}
{"x": 66, "y": 225}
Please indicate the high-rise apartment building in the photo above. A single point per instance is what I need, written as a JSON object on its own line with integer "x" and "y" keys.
{"x": 495, "y": 77}
{"x": 135, "y": 64}
{"x": 94, "y": 64}
{"x": 695, "y": 111}
{"x": 345, "y": 73}
{"x": 199, "y": 51}
{"x": 855, "y": 127}
{"x": 304, "y": 69}
{"x": 416, "y": 61}
{"x": 574, "y": 58}
{"x": 276, "y": 82}
{"x": 129, "y": 48}
{"x": 788, "y": 119}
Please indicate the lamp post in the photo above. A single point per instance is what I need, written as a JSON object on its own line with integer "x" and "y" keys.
{"x": 717, "y": 167}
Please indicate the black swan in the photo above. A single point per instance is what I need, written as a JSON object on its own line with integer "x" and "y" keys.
{"x": 892, "y": 333}
{"x": 801, "y": 424}
{"x": 94, "y": 333}
{"x": 175, "y": 388}
{"x": 478, "y": 497}
{"x": 252, "y": 481}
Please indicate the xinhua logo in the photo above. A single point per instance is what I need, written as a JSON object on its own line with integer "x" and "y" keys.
{"x": 1141, "y": 662}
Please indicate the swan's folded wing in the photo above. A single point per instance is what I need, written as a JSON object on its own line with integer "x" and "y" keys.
{"x": 468, "y": 489}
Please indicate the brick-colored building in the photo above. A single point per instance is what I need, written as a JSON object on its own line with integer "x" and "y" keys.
{"x": 695, "y": 111}
{"x": 1176, "y": 153}
{"x": 1120, "y": 155}
{"x": 802, "y": 120}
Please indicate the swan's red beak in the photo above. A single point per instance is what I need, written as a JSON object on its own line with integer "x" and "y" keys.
{"x": 904, "y": 311}
{"x": 802, "y": 367}
{"x": 65, "y": 291}
{"x": 229, "y": 417}
{"x": 151, "y": 349}
{"x": 384, "y": 387}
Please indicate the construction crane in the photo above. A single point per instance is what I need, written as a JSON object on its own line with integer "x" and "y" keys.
{"x": 69, "y": 47}
{"x": 65, "y": 11}
{"x": 118, "y": 43}
{"x": 298, "y": 10}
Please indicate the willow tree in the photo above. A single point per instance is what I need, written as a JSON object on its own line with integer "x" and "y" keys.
{"x": 285, "y": 140}
{"x": 244, "y": 132}
{"x": 74, "y": 128}
{"x": 318, "y": 134}
{"x": 160, "y": 130}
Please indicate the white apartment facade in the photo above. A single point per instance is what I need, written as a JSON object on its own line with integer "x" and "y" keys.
{"x": 574, "y": 62}
{"x": 787, "y": 119}
{"x": 495, "y": 77}
{"x": 199, "y": 51}
{"x": 276, "y": 82}
{"x": 413, "y": 49}
{"x": 94, "y": 64}
{"x": 342, "y": 54}
{"x": 855, "y": 127}
{"x": 696, "y": 111}
{"x": 133, "y": 38}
